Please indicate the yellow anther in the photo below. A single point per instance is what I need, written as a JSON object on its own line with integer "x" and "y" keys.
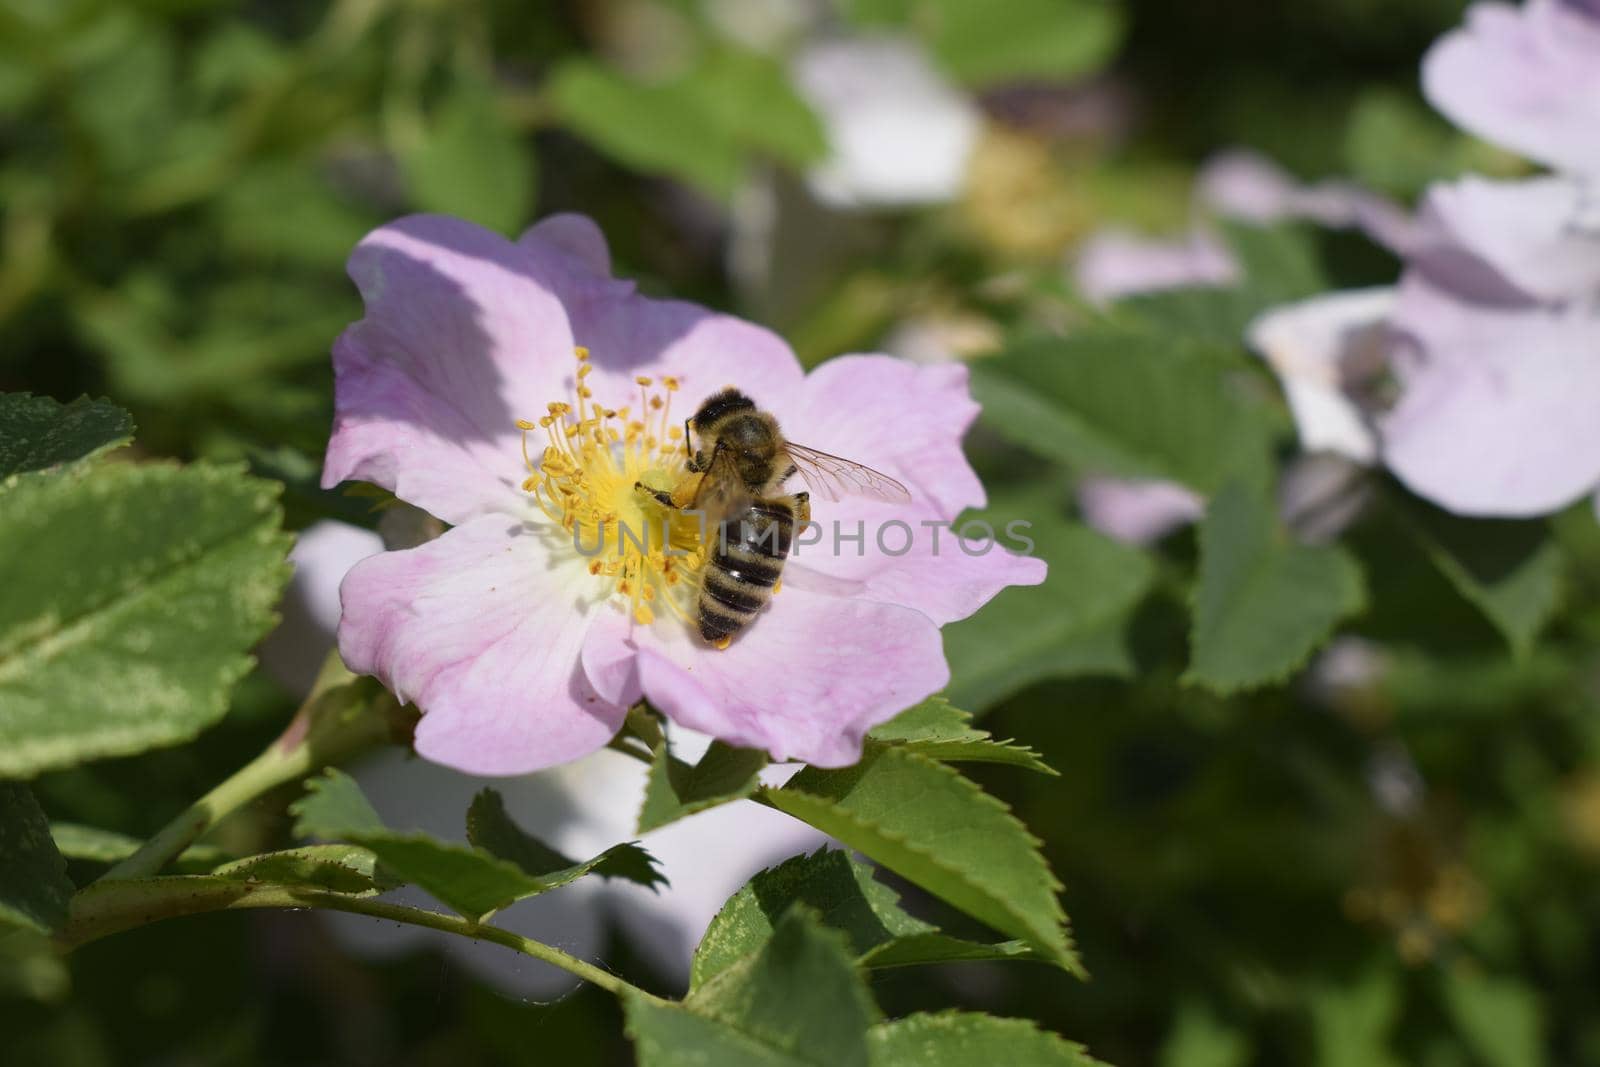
{"x": 645, "y": 551}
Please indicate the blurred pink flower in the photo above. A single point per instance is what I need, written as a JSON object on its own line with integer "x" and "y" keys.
{"x": 1116, "y": 263}
{"x": 580, "y": 809}
{"x": 899, "y": 133}
{"x": 521, "y": 651}
{"x": 1498, "y": 350}
{"x": 1326, "y": 351}
{"x": 1526, "y": 78}
{"x": 1247, "y": 186}
{"x": 1137, "y": 511}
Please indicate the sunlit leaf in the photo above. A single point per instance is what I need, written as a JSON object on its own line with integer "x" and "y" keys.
{"x": 340, "y": 868}
{"x": 843, "y": 895}
{"x": 968, "y": 1039}
{"x": 676, "y": 789}
{"x": 955, "y": 841}
{"x": 797, "y": 1001}
{"x": 937, "y": 728}
{"x": 133, "y": 596}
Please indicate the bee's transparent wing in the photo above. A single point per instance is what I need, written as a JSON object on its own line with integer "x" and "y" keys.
{"x": 831, "y": 477}
{"x": 721, "y": 491}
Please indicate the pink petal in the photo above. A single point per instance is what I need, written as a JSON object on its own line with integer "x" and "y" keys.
{"x": 805, "y": 681}
{"x": 906, "y": 421}
{"x": 629, "y": 335}
{"x": 577, "y": 237}
{"x": 462, "y": 337}
{"x": 482, "y": 629}
{"x": 1497, "y": 414}
{"x": 1527, "y": 79}
{"x": 900, "y": 418}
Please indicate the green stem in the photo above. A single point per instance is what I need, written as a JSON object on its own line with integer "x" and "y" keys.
{"x": 107, "y": 908}
{"x": 329, "y": 727}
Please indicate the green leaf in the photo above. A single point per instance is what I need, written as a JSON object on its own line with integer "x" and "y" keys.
{"x": 341, "y": 868}
{"x": 1509, "y": 570}
{"x": 653, "y": 128}
{"x": 1131, "y": 403}
{"x": 666, "y": 1034}
{"x": 1010, "y": 40}
{"x": 798, "y": 1001}
{"x": 1280, "y": 263}
{"x": 675, "y": 789}
{"x": 1004, "y": 41}
{"x": 1215, "y": 315}
{"x": 470, "y": 880}
{"x": 1199, "y": 1039}
{"x": 1394, "y": 143}
{"x": 844, "y": 896}
{"x": 1498, "y": 1016}
{"x": 967, "y": 1039}
{"x": 800, "y": 995}
{"x": 955, "y": 841}
{"x": 1351, "y": 1024}
{"x": 37, "y": 433}
{"x": 133, "y": 596}
{"x": 1073, "y": 623}
{"x": 490, "y": 828}
{"x": 936, "y": 728}
{"x": 94, "y": 845}
{"x": 751, "y": 97}
{"x": 699, "y": 127}
{"x": 34, "y": 891}
{"x": 1262, "y": 604}
{"x": 472, "y": 163}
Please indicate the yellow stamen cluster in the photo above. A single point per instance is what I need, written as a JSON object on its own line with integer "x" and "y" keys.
{"x": 585, "y": 481}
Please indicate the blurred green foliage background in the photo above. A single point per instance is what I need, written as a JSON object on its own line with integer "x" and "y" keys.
{"x": 181, "y": 180}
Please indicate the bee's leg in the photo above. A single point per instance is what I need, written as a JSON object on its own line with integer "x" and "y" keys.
{"x": 662, "y": 496}
{"x": 802, "y": 508}
{"x": 688, "y": 447}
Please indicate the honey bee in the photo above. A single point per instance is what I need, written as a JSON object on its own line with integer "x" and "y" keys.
{"x": 742, "y": 462}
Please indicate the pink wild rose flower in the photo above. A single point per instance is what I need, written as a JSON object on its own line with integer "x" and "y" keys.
{"x": 521, "y": 643}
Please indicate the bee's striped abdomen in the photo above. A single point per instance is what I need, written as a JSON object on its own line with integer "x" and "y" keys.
{"x": 746, "y": 563}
